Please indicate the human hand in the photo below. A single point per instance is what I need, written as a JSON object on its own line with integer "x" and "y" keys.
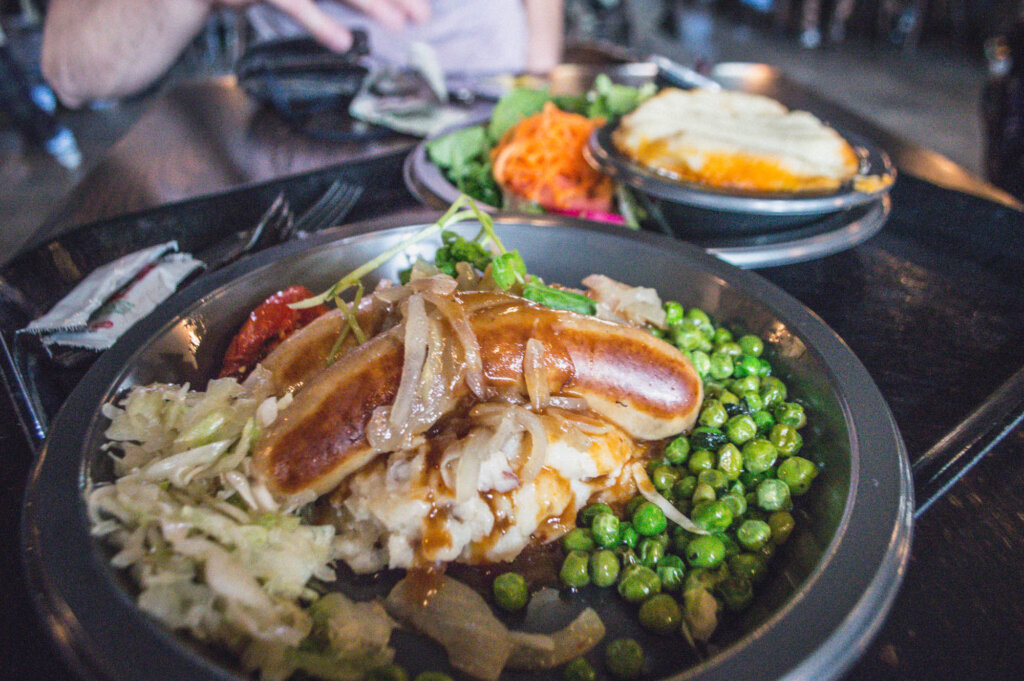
{"x": 393, "y": 14}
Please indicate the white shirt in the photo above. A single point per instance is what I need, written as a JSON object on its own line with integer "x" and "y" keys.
{"x": 469, "y": 36}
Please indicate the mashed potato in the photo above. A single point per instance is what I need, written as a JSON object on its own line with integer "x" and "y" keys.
{"x": 734, "y": 140}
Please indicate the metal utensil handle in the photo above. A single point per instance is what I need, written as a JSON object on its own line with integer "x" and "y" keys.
{"x": 960, "y": 449}
{"x": 32, "y": 423}
{"x": 683, "y": 76}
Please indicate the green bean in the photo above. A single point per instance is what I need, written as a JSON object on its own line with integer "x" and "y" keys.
{"x": 604, "y": 568}
{"x": 660, "y": 614}
{"x": 624, "y": 658}
{"x": 510, "y": 592}
{"x": 558, "y": 299}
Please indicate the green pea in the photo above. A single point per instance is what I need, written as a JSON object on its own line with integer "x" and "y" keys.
{"x": 730, "y": 348}
{"x": 750, "y": 480}
{"x": 751, "y": 566}
{"x": 786, "y": 439}
{"x": 753, "y": 534}
{"x": 660, "y": 614}
{"x": 673, "y": 313}
{"x": 657, "y": 333}
{"x": 604, "y": 568}
{"x": 703, "y": 493}
{"x": 650, "y": 551}
{"x": 736, "y": 592}
{"x": 754, "y": 402}
{"x": 714, "y": 516}
{"x": 729, "y": 400}
{"x": 633, "y": 504}
{"x": 731, "y": 547}
{"x": 637, "y": 583}
{"x": 764, "y": 420}
{"x": 684, "y": 487}
{"x": 791, "y": 414}
{"x": 701, "y": 362}
{"x": 510, "y": 592}
{"x": 722, "y": 335}
{"x": 712, "y": 414}
{"x": 701, "y": 460}
{"x": 605, "y": 529}
{"x": 767, "y": 551}
{"x": 773, "y": 495}
{"x": 759, "y": 455}
{"x": 686, "y": 336}
{"x": 662, "y": 538}
{"x": 574, "y": 570}
{"x": 649, "y": 520}
{"x": 782, "y": 524}
{"x": 433, "y": 676}
{"x": 701, "y": 318}
{"x": 772, "y": 390}
{"x": 798, "y": 473}
{"x": 677, "y": 451}
{"x": 737, "y": 503}
{"x": 721, "y": 365}
{"x": 705, "y": 551}
{"x": 664, "y": 478}
{"x": 752, "y": 345}
{"x": 628, "y": 536}
{"x": 766, "y": 368}
{"x": 624, "y": 658}
{"x": 701, "y": 578}
{"x": 591, "y": 511}
{"x": 578, "y": 539}
{"x": 740, "y": 429}
{"x": 671, "y": 570}
{"x": 730, "y": 461}
{"x": 746, "y": 384}
{"x": 746, "y": 365}
{"x": 388, "y": 672}
{"x": 713, "y": 477}
{"x": 627, "y": 556}
{"x": 579, "y": 670}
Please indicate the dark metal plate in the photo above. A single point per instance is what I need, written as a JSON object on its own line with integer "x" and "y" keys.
{"x": 827, "y": 595}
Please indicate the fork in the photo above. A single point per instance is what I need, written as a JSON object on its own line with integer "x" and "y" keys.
{"x": 266, "y": 231}
{"x": 330, "y": 209}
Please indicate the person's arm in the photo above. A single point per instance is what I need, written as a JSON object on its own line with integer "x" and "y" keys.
{"x": 544, "y": 24}
{"x": 96, "y": 49}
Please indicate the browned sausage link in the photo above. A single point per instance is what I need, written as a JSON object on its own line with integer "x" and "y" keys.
{"x": 639, "y": 382}
{"x": 320, "y": 439}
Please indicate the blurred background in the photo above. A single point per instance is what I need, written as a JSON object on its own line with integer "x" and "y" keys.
{"x": 939, "y": 73}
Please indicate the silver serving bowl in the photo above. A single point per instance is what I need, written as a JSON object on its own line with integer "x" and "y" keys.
{"x": 827, "y": 593}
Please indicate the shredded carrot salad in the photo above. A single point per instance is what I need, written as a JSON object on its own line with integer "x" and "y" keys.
{"x": 541, "y": 158}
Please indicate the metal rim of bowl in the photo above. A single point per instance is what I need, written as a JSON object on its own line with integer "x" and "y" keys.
{"x": 604, "y": 155}
{"x": 836, "y": 612}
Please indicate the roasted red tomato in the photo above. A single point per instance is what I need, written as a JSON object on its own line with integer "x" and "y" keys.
{"x": 266, "y": 327}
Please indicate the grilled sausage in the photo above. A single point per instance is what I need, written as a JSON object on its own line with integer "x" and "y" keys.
{"x": 642, "y": 384}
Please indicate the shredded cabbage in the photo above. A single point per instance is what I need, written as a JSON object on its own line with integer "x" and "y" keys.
{"x": 210, "y": 549}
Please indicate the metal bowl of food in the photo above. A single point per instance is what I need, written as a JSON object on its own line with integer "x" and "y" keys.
{"x": 832, "y": 582}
